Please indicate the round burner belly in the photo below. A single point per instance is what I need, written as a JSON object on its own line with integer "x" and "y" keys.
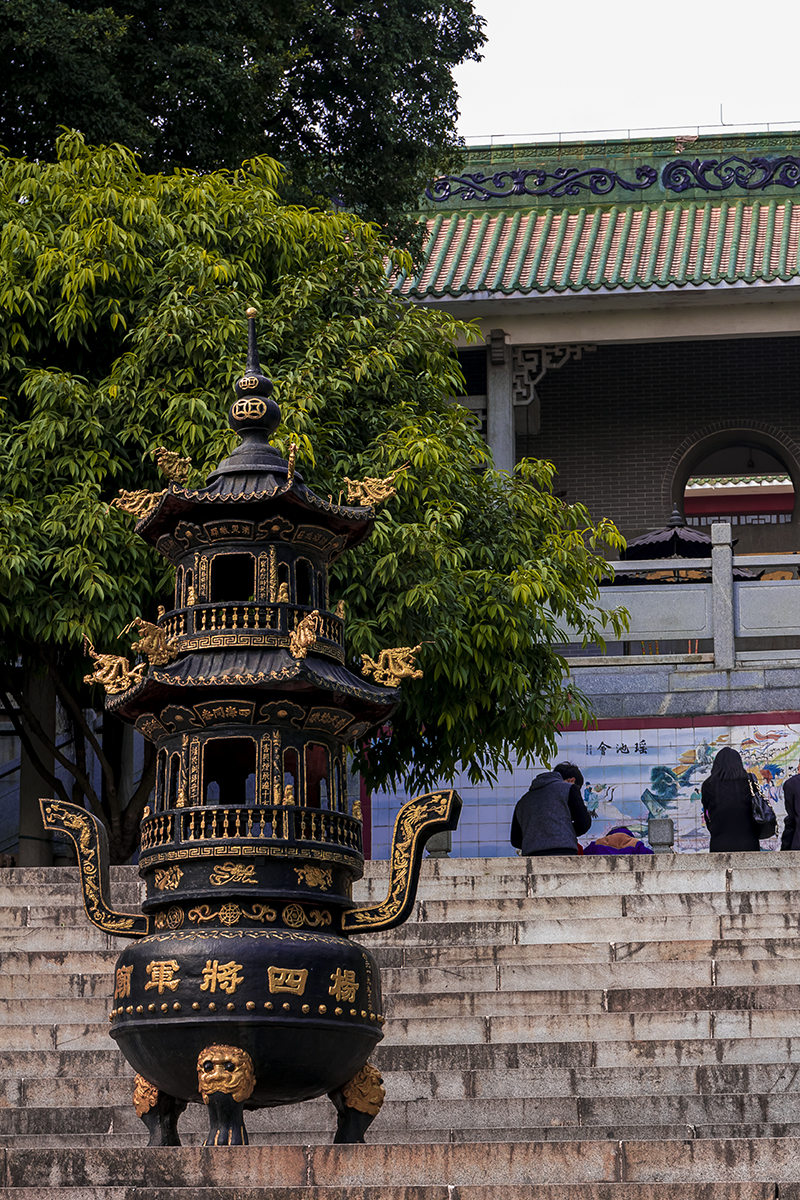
{"x": 305, "y": 1007}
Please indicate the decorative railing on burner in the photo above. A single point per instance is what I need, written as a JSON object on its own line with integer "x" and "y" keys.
{"x": 257, "y": 615}
{"x": 273, "y": 823}
{"x": 158, "y": 830}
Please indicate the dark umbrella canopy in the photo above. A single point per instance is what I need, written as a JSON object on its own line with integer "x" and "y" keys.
{"x": 676, "y": 540}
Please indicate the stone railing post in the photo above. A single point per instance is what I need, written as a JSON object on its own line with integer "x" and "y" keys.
{"x": 661, "y": 834}
{"x": 722, "y": 594}
{"x": 440, "y": 845}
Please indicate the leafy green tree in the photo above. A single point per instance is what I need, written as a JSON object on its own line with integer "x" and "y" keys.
{"x": 367, "y": 109}
{"x": 356, "y": 98}
{"x": 122, "y": 297}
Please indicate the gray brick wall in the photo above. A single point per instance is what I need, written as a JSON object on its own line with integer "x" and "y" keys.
{"x": 618, "y": 423}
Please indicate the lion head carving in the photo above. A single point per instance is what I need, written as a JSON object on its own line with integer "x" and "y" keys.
{"x": 225, "y": 1069}
{"x": 365, "y": 1092}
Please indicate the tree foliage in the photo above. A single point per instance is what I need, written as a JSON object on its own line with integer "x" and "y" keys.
{"x": 367, "y": 108}
{"x": 122, "y": 297}
{"x": 356, "y": 98}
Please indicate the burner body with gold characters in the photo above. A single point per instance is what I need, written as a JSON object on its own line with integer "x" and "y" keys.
{"x": 242, "y": 986}
{"x": 250, "y": 955}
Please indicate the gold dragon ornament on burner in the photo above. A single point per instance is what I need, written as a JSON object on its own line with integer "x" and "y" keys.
{"x": 393, "y": 665}
{"x": 372, "y": 491}
{"x": 172, "y": 465}
{"x": 152, "y": 641}
{"x": 302, "y": 638}
{"x": 138, "y": 504}
{"x": 291, "y": 462}
{"x": 141, "y": 502}
{"x": 113, "y": 671}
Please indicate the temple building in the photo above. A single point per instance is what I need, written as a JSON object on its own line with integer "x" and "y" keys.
{"x": 639, "y": 302}
{"x": 639, "y": 305}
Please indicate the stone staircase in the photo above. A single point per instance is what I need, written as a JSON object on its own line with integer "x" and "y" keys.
{"x": 563, "y": 1029}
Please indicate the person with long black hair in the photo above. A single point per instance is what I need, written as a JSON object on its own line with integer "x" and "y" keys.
{"x": 728, "y": 804}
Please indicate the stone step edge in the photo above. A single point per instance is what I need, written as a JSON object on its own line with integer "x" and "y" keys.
{"x": 535, "y": 1134}
{"x": 432, "y": 868}
{"x": 508, "y": 907}
{"x": 322, "y": 1138}
{"x": 713, "y": 1190}
{"x": 394, "y": 957}
{"x": 417, "y": 1020}
{"x": 122, "y": 1107}
{"x": 729, "y": 998}
{"x": 403, "y": 1057}
{"x": 470, "y": 1077}
{"x": 712, "y": 1047}
{"x": 769, "y": 1160}
{"x": 680, "y": 879}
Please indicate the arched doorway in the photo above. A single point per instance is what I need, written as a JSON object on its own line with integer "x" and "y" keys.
{"x": 747, "y": 477}
{"x": 748, "y": 485}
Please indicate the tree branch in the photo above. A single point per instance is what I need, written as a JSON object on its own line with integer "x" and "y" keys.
{"x": 35, "y": 726}
{"x": 27, "y": 745}
{"x": 77, "y": 713}
{"x": 79, "y": 746}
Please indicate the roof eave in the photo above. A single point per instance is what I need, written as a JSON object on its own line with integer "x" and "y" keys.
{"x": 617, "y": 290}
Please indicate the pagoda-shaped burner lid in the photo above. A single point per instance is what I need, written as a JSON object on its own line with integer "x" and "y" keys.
{"x": 252, "y": 552}
{"x": 254, "y": 473}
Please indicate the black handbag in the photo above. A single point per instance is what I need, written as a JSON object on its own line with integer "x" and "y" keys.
{"x": 763, "y": 813}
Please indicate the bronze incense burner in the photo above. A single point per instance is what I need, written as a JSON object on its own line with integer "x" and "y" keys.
{"x": 241, "y": 986}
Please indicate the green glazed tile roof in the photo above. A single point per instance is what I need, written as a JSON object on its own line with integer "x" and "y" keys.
{"x": 593, "y": 249}
{"x": 719, "y": 481}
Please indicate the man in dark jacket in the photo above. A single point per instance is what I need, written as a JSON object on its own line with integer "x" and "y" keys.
{"x": 790, "y": 838}
{"x": 551, "y": 815}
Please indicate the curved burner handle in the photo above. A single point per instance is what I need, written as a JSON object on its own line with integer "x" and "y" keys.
{"x": 91, "y": 845}
{"x": 418, "y": 820}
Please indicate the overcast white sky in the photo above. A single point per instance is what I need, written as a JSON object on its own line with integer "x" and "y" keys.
{"x": 584, "y": 65}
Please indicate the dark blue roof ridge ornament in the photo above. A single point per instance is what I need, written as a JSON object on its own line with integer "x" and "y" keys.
{"x": 675, "y": 176}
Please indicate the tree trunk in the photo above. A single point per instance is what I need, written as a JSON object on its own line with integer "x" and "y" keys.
{"x": 35, "y": 843}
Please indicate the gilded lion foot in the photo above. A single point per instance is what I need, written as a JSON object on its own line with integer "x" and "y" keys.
{"x": 159, "y": 1112}
{"x": 225, "y": 1121}
{"x": 357, "y": 1104}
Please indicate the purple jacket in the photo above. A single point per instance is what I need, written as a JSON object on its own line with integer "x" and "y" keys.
{"x": 626, "y": 844}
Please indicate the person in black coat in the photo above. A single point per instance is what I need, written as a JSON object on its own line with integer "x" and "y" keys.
{"x": 728, "y": 804}
{"x": 551, "y": 816}
{"x": 790, "y": 838}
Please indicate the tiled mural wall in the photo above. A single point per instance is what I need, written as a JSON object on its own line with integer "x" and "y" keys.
{"x": 630, "y": 775}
